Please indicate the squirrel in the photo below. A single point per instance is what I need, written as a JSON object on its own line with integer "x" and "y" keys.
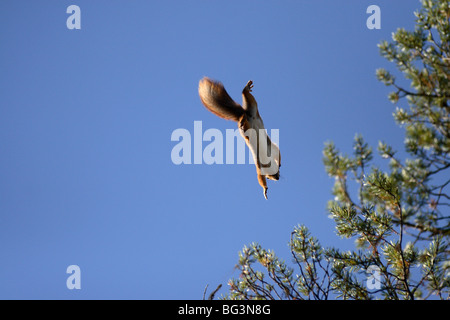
{"x": 266, "y": 154}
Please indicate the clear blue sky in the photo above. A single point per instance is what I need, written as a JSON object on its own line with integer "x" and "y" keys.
{"x": 86, "y": 118}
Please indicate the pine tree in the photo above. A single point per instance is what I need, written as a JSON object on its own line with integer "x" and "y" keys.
{"x": 399, "y": 219}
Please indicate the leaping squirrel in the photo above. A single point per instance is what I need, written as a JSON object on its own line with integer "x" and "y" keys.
{"x": 266, "y": 154}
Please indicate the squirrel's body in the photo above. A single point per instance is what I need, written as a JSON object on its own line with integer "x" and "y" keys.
{"x": 266, "y": 154}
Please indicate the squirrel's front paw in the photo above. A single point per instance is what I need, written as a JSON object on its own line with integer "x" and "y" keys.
{"x": 249, "y": 85}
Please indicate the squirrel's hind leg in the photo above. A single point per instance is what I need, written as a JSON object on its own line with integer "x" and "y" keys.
{"x": 263, "y": 184}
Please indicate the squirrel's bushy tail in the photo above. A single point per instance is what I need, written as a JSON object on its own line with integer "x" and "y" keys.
{"x": 216, "y": 99}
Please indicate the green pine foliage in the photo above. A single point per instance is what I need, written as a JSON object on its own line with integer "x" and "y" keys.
{"x": 399, "y": 218}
